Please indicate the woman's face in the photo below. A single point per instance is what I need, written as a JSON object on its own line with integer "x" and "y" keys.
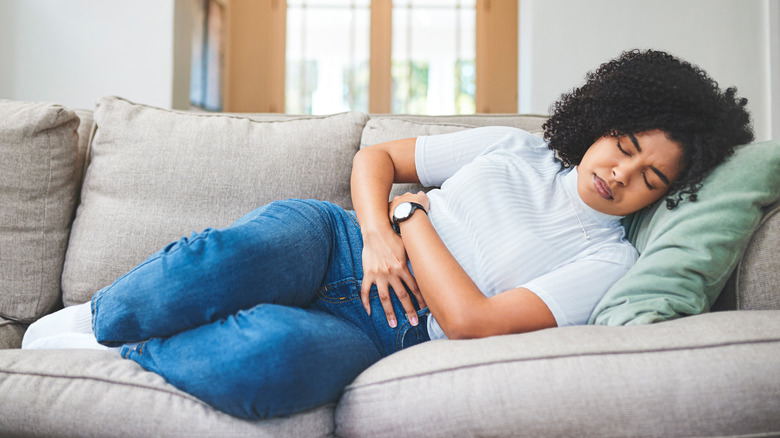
{"x": 623, "y": 174}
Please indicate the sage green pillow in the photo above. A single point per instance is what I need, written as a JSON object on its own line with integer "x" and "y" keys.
{"x": 687, "y": 254}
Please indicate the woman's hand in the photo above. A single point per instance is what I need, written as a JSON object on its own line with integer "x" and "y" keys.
{"x": 375, "y": 169}
{"x": 385, "y": 264}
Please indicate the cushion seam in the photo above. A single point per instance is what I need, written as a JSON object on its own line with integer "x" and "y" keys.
{"x": 559, "y": 356}
{"x": 8, "y": 322}
{"x": 44, "y": 234}
{"x": 42, "y": 128}
{"x": 487, "y": 116}
{"x": 451, "y": 124}
{"x": 239, "y": 117}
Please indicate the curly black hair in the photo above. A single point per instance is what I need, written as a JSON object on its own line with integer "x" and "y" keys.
{"x": 645, "y": 90}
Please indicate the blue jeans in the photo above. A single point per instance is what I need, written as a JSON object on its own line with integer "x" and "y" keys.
{"x": 259, "y": 319}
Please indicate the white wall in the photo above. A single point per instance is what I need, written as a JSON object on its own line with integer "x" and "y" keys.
{"x": 75, "y": 51}
{"x": 561, "y": 40}
{"x": 72, "y": 52}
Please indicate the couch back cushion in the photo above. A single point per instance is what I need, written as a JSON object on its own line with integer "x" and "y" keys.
{"x": 386, "y": 128}
{"x": 38, "y": 188}
{"x": 155, "y": 175}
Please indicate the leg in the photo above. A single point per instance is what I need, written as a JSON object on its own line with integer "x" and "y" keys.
{"x": 264, "y": 362}
{"x": 277, "y": 254}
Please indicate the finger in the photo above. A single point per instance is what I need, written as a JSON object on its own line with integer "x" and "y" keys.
{"x": 387, "y": 305}
{"x": 411, "y": 283}
{"x": 406, "y": 301}
{"x": 365, "y": 290}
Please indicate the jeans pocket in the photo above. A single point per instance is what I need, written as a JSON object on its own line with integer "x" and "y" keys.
{"x": 412, "y": 335}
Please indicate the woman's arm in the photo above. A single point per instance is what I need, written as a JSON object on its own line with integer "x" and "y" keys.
{"x": 374, "y": 170}
{"x": 459, "y": 307}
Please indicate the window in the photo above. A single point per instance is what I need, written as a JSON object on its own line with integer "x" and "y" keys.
{"x": 433, "y": 56}
{"x": 327, "y": 56}
{"x": 379, "y": 56}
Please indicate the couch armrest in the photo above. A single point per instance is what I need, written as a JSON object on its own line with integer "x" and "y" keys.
{"x": 705, "y": 375}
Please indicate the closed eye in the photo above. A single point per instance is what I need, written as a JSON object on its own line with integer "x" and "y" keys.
{"x": 621, "y": 149}
{"x": 649, "y": 186}
{"x": 644, "y": 175}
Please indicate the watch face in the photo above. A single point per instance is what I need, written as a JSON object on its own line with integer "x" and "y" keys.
{"x": 402, "y": 210}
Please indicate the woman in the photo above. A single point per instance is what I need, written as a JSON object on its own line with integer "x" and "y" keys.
{"x": 278, "y": 312}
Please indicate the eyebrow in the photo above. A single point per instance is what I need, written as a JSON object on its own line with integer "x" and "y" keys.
{"x": 653, "y": 168}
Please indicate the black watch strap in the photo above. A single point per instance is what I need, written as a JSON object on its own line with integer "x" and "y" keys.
{"x": 396, "y": 221}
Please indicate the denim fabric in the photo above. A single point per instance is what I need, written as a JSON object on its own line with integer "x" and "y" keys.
{"x": 259, "y": 319}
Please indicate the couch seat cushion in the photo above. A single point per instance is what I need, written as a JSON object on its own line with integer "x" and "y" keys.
{"x": 706, "y": 375}
{"x": 46, "y": 393}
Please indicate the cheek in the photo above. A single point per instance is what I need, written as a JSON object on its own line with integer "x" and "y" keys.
{"x": 595, "y": 154}
{"x": 638, "y": 196}
{"x": 648, "y": 197}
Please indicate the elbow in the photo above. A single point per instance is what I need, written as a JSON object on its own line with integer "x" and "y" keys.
{"x": 458, "y": 335}
{"x": 364, "y": 154}
{"x": 358, "y": 157}
{"x": 469, "y": 320}
{"x": 464, "y": 327}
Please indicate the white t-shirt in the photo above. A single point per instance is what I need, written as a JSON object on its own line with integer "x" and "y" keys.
{"x": 511, "y": 216}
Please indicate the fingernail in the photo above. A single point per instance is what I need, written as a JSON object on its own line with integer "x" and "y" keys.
{"x": 413, "y": 320}
{"x": 393, "y": 323}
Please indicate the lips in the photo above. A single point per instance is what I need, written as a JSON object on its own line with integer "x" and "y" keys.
{"x": 602, "y": 188}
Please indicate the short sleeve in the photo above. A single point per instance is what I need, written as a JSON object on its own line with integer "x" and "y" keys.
{"x": 571, "y": 292}
{"x": 438, "y": 157}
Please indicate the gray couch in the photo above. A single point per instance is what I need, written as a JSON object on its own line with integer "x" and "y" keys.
{"x": 88, "y": 194}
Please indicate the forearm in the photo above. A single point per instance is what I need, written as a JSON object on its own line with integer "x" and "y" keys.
{"x": 454, "y": 299}
{"x": 372, "y": 179}
{"x": 460, "y": 308}
{"x": 374, "y": 170}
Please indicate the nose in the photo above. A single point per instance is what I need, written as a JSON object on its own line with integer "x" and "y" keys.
{"x": 621, "y": 172}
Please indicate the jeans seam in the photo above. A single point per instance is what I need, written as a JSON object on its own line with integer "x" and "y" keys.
{"x": 353, "y": 217}
{"x": 137, "y": 348}
{"x": 322, "y": 296}
{"x": 93, "y": 305}
{"x": 399, "y": 338}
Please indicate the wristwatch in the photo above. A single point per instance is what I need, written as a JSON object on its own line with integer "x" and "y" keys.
{"x": 404, "y": 211}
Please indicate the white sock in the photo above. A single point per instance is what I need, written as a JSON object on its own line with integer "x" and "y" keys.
{"x": 70, "y": 327}
{"x": 65, "y": 341}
